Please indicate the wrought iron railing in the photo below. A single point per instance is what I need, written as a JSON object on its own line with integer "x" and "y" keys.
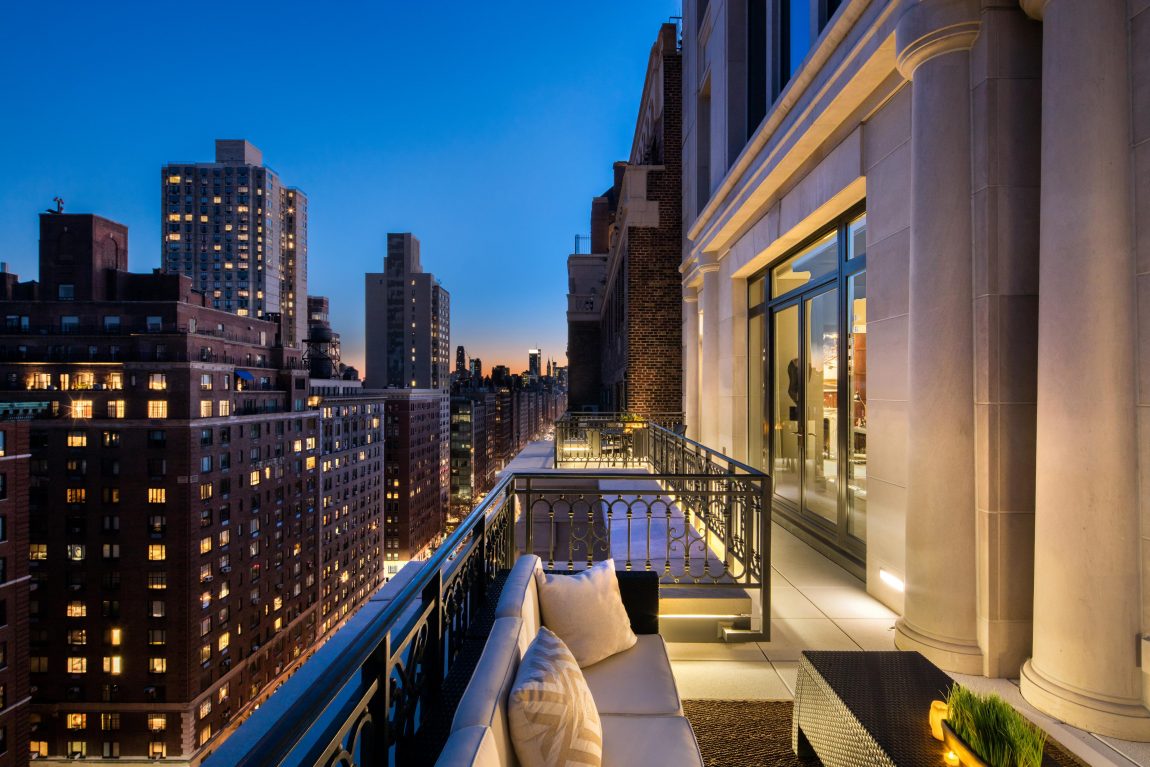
{"x": 364, "y": 697}
{"x": 607, "y": 440}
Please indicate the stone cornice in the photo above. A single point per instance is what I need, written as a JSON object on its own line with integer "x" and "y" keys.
{"x": 932, "y": 28}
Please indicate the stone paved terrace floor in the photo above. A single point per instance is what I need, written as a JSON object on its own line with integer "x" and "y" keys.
{"x": 816, "y": 605}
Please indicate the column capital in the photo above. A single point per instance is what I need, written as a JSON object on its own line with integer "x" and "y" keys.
{"x": 932, "y": 28}
{"x": 1035, "y": 9}
{"x": 690, "y": 294}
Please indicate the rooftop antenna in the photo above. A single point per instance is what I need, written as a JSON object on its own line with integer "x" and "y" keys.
{"x": 59, "y": 205}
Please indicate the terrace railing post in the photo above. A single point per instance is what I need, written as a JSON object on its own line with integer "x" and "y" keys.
{"x": 378, "y": 670}
{"x": 765, "y": 495}
{"x": 528, "y": 523}
{"x": 512, "y": 509}
{"x": 433, "y": 654}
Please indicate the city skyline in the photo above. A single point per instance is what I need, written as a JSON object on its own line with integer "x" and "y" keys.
{"x": 517, "y": 164}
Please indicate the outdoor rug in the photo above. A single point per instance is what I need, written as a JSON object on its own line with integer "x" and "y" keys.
{"x": 755, "y": 733}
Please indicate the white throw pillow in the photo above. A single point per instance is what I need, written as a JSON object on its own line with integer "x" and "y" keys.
{"x": 553, "y": 718}
{"x": 586, "y": 611}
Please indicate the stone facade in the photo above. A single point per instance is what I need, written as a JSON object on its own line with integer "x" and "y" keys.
{"x": 998, "y": 149}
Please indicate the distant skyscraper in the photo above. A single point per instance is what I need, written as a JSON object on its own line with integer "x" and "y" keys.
{"x": 408, "y": 319}
{"x": 534, "y": 360}
{"x": 477, "y": 371}
{"x": 460, "y": 360}
{"x": 240, "y": 234}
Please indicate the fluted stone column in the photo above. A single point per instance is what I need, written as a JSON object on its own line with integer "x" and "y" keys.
{"x": 691, "y": 360}
{"x": 709, "y": 378}
{"x": 934, "y": 38}
{"x": 1086, "y": 549}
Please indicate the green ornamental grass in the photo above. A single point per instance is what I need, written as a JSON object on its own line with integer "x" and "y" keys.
{"x": 1001, "y": 736}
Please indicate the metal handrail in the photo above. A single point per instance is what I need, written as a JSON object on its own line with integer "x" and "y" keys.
{"x": 269, "y": 748}
{"x": 385, "y": 673}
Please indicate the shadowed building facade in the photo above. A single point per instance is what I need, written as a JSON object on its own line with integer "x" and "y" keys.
{"x": 623, "y": 320}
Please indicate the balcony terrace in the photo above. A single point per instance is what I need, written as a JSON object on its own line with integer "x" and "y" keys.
{"x": 384, "y": 688}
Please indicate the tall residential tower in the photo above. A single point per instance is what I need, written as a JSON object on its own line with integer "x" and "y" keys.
{"x": 240, "y": 234}
{"x": 408, "y": 316}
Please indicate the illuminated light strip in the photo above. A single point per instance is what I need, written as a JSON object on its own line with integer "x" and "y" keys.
{"x": 892, "y": 580}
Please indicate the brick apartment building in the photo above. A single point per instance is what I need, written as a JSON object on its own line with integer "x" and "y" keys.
{"x": 624, "y": 318}
{"x": 417, "y": 426}
{"x": 14, "y": 700}
{"x": 173, "y": 485}
{"x": 351, "y": 500}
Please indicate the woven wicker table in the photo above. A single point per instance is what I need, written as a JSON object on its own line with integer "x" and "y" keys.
{"x": 858, "y": 709}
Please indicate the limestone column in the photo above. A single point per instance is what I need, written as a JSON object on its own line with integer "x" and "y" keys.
{"x": 933, "y": 40}
{"x": 691, "y": 360}
{"x": 709, "y": 357}
{"x": 1086, "y": 539}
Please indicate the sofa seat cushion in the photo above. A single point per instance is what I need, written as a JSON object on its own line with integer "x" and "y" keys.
{"x": 473, "y": 746}
{"x": 484, "y": 702}
{"x": 666, "y": 741}
{"x": 635, "y": 681}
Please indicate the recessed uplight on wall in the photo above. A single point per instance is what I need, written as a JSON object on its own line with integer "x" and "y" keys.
{"x": 891, "y": 580}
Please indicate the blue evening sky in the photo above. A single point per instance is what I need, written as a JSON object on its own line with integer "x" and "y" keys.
{"x": 483, "y": 128}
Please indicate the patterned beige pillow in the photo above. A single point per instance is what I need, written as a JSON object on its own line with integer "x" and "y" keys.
{"x": 586, "y": 611}
{"x": 553, "y": 717}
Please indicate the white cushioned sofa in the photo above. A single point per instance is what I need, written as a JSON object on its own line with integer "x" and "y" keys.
{"x": 634, "y": 690}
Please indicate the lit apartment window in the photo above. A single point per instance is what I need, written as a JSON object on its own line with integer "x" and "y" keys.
{"x": 157, "y": 637}
{"x": 205, "y": 572}
{"x": 225, "y": 640}
{"x": 157, "y": 552}
{"x": 205, "y": 653}
{"x": 77, "y": 664}
{"x": 157, "y": 749}
{"x": 82, "y": 408}
{"x": 157, "y": 408}
{"x": 205, "y": 408}
{"x": 78, "y": 636}
{"x": 75, "y": 494}
{"x": 76, "y": 552}
{"x": 38, "y": 749}
{"x": 77, "y": 721}
{"x": 225, "y": 407}
{"x": 38, "y": 551}
{"x": 76, "y": 609}
{"x": 158, "y": 579}
{"x": 116, "y": 408}
{"x": 114, "y": 664}
{"x": 311, "y": 443}
{"x": 157, "y": 495}
{"x": 157, "y": 722}
{"x": 205, "y": 708}
{"x": 254, "y": 478}
{"x": 110, "y": 722}
{"x": 205, "y": 735}
{"x": 205, "y": 491}
{"x": 223, "y": 694}
{"x": 206, "y": 382}
{"x": 157, "y": 609}
{"x": 115, "y": 637}
{"x": 206, "y": 544}
{"x": 157, "y": 665}
{"x": 78, "y": 749}
{"x": 114, "y": 381}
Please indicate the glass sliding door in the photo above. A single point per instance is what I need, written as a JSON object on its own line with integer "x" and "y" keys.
{"x": 821, "y": 455}
{"x": 856, "y": 393}
{"x": 808, "y": 336}
{"x": 787, "y": 396}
